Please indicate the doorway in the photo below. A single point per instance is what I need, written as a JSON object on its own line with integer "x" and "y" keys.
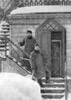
{"x": 57, "y": 49}
{"x": 51, "y": 37}
{"x": 55, "y": 58}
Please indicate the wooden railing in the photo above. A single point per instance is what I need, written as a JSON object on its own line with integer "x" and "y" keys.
{"x": 15, "y": 57}
{"x": 18, "y": 47}
{"x": 4, "y": 3}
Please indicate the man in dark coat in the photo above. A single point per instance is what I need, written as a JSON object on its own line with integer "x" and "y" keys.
{"x": 28, "y": 44}
{"x": 38, "y": 70}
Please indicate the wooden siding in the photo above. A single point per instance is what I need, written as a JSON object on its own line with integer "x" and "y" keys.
{"x": 68, "y": 47}
{"x": 18, "y": 32}
{"x": 20, "y": 24}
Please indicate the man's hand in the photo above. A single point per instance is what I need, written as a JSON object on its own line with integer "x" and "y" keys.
{"x": 24, "y": 59}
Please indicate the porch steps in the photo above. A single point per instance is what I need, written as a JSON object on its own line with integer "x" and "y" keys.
{"x": 4, "y": 45}
{"x": 55, "y": 89}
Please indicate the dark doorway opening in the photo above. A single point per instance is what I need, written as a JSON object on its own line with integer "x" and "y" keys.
{"x": 57, "y": 54}
{"x": 55, "y": 58}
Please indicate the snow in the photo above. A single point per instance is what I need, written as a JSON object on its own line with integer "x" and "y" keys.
{"x": 55, "y": 83}
{"x": 17, "y": 87}
{"x": 53, "y": 94}
{"x": 51, "y": 88}
{"x": 69, "y": 96}
{"x": 2, "y": 55}
{"x": 4, "y": 23}
{"x": 57, "y": 78}
{"x": 29, "y": 76}
{"x": 68, "y": 77}
{"x": 37, "y": 9}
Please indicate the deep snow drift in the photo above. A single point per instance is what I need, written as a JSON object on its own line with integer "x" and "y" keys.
{"x": 16, "y": 87}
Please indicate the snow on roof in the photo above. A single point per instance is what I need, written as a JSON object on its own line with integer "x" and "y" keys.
{"x": 40, "y": 9}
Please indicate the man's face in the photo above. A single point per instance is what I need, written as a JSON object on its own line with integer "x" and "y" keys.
{"x": 37, "y": 48}
{"x": 29, "y": 34}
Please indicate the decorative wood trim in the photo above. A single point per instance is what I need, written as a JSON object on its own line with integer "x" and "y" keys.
{"x": 40, "y": 15}
{"x": 37, "y": 19}
{"x": 25, "y": 3}
{"x": 50, "y": 22}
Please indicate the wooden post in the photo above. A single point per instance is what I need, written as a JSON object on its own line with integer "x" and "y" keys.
{"x": 66, "y": 81}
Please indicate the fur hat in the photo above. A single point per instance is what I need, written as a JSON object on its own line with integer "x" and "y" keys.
{"x": 29, "y": 31}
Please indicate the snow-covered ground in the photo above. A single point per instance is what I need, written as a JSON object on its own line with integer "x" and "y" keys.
{"x": 69, "y": 95}
{"x": 16, "y": 87}
{"x": 29, "y": 76}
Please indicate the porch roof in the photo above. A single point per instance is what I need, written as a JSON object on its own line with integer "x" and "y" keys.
{"x": 42, "y": 9}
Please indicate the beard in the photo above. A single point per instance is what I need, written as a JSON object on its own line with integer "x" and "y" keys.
{"x": 37, "y": 51}
{"x": 29, "y": 37}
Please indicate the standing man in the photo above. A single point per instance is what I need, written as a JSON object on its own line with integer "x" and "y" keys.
{"x": 37, "y": 65}
{"x": 28, "y": 43}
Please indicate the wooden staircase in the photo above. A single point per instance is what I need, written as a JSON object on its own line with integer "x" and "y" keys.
{"x": 18, "y": 63}
{"x": 55, "y": 89}
{"x": 5, "y": 42}
{"x": 4, "y": 46}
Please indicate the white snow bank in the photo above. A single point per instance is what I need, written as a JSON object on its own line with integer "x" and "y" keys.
{"x": 29, "y": 76}
{"x": 16, "y": 87}
{"x": 37, "y": 9}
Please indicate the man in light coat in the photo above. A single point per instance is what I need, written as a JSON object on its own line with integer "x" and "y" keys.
{"x": 37, "y": 65}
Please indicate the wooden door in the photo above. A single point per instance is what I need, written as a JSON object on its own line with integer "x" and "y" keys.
{"x": 46, "y": 47}
{"x": 44, "y": 40}
{"x": 55, "y": 58}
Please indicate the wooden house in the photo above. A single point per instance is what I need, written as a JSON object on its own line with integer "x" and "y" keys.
{"x": 51, "y": 26}
{"x": 50, "y": 23}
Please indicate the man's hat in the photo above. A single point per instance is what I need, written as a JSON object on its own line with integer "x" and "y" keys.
{"x": 36, "y": 45}
{"x": 29, "y": 31}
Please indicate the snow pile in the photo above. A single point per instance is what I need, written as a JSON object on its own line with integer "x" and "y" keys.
{"x": 16, "y": 87}
{"x": 29, "y": 76}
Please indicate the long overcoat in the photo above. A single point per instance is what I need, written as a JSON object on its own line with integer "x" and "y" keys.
{"x": 37, "y": 65}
